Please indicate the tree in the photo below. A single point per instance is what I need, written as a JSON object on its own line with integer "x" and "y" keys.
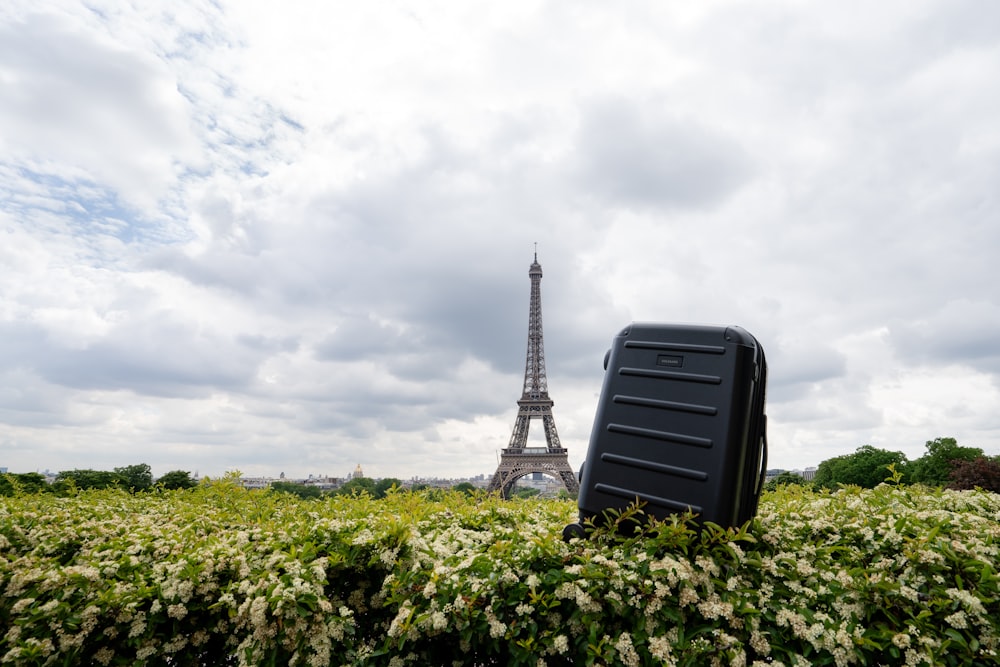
{"x": 383, "y": 486}
{"x": 176, "y": 479}
{"x": 11, "y": 484}
{"x": 88, "y": 479}
{"x": 296, "y": 489}
{"x": 135, "y": 478}
{"x": 935, "y": 466}
{"x": 357, "y": 486}
{"x": 981, "y": 472}
{"x": 464, "y": 487}
{"x": 867, "y": 467}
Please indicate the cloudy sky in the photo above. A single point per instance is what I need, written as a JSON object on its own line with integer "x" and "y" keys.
{"x": 295, "y": 237}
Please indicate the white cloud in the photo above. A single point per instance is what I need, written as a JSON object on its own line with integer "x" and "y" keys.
{"x": 84, "y": 108}
{"x": 295, "y": 238}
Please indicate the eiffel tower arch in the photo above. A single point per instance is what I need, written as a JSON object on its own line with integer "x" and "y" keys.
{"x": 518, "y": 459}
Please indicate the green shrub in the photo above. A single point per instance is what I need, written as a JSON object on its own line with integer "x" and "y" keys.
{"x": 219, "y": 575}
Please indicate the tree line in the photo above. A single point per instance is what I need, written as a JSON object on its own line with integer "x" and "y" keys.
{"x": 945, "y": 463}
{"x": 135, "y": 478}
{"x": 374, "y": 488}
{"x": 138, "y": 478}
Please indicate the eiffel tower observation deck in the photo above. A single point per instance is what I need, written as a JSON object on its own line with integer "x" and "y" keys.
{"x": 518, "y": 459}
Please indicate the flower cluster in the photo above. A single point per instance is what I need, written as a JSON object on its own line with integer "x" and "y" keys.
{"x": 223, "y": 576}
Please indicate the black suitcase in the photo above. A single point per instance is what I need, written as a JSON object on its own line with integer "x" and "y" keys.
{"x": 680, "y": 425}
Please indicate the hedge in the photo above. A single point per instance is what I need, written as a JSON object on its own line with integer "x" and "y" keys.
{"x": 218, "y": 575}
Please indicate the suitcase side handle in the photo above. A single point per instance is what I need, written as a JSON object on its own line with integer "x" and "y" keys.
{"x": 763, "y": 458}
{"x": 750, "y": 496}
{"x": 762, "y": 477}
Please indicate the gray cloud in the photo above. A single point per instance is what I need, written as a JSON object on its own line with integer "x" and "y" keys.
{"x": 157, "y": 357}
{"x": 307, "y": 253}
{"x": 638, "y": 155}
{"x": 795, "y": 370}
{"x": 961, "y": 332}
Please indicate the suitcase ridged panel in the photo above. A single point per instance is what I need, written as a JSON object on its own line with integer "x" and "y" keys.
{"x": 679, "y": 347}
{"x": 671, "y": 375}
{"x": 666, "y": 436}
{"x": 631, "y": 495}
{"x": 665, "y": 405}
{"x": 656, "y": 466}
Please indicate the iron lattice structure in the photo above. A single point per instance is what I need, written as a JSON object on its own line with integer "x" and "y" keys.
{"x": 518, "y": 460}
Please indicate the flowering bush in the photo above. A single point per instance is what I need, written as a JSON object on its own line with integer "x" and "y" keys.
{"x": 218, "y": 575}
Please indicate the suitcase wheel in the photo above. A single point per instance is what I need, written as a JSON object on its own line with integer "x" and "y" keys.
{"x": 573, "y": 530}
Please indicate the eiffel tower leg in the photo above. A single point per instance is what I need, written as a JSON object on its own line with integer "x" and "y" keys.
{"x": 496, "y": 484}
{"x": 504, "y": 478}
{"x": 570, "y": 481}
{"x": 551, "y": 436}
{"x": 519, "y": 438}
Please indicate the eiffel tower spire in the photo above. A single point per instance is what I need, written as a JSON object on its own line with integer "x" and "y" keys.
{"x": 518, "y": 460}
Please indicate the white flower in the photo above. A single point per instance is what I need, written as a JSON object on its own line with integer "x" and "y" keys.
{"x": 49, "y": 606}
{"x": 439, "y": 621}
{"x": 660, "y": 648}
{"x": 688, "y": 596}
{"x": 957, "y": 620}
{"x": 626, "y": 652}
{"x": 21, "y": 605}
{"x": 497, "y": 629}
{"x": 714, "y": 608}
{"x": 177, "y": 611}
{"x": 759, "y": 643}
{"x": 968, "y": 600}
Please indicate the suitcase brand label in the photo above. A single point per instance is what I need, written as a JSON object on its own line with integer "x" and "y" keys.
{"x": 670, "y": 360}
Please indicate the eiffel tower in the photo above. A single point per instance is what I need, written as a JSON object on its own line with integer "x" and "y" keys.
{"x": 518, "y": 460}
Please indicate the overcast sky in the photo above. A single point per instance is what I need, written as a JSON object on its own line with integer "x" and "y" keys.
{"x": 295, "y": 237}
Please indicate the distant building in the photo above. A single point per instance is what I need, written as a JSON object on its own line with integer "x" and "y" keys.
{"x": 808, "y": 474}
{"x": 358, "y": 473}
{"x": 321, "y": 482}
{"x": 256, "y": 482}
